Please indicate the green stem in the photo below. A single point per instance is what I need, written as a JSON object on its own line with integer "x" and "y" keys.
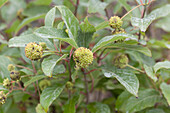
{"x": 135, "y": 68}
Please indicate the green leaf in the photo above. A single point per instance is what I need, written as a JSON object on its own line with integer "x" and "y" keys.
{"x": 50, "y": 17}
{"x": 125, "y": 5}
{"x": 121, "y": 101}
{"x": 39, "y": 109}
{"x": 162, "y": 23}
{"x": 70, "y": 21}
{"x": 49, "y": 63}
{"x": 160, "y": 65}
{"x": 126, "y": 78}
{"x": 109, "y": 39}
{"x": 2, "y": 2}
{"x": 4, "y": 62}
{"x": 147, "y": 98}
{"x": 95, "y": 6}
{"x": 102, "y": 25}
{"x": 85, "y": 34}
{"x": 49, "y": 95}
{"x": 70, "y": 107}
{"x": 149, "y": 71}
{"x": 27, "y": 21}
{"x": 141, "y": 58}
{"x": 42, "y": 2}
{"x": 166, "y": 92}
{"x": 155, "y": 110}
{"x": 155, "y": 14}
{"x": 22, "y": 40}
{"x": 34, "y": 79}
{"x": 138, "y": 48}
{"x": 59, "y": 34}
{"x": 98, "y": 108}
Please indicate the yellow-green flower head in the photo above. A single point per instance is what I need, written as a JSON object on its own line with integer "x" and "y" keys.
{"x": 43, "y": 45}
{"x": 6, "y": 83}
{"x": 118, "y": 31}
{"x": 69, "y": 85}
{"x": 33, "y": 51}
{"x": 83, "y": 57}
{"x": 44, "y": 83}
{"x": 121, "y": 61}
{"x": 11, "y": 67}
{"x": 15, "y": 75}
{"x": 2, "y": 97}
{"x": 115, "y": 22}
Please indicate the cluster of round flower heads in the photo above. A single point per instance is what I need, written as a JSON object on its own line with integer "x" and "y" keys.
{"x": 34, "y": 51}
{"x": 116, "y": 23}
{"x": 2, "y": 97}
{"x": 83, "y": 57}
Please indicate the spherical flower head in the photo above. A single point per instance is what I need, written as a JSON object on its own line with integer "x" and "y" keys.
{"x": 6, "y": 83}
{"x": 43, "y": 45}
{"x": 115, "y": 22}
{"x": 121, "y": 61}
{"x": 44, "y": 83}
{"x": 2, "y": 97}
{"x": 83, "y": 57}
{"x": 118, "y": 31}
{"x": 33, "y": 51}
{"x": 11, "y": 67}
{"x": 15, "y": 75}
{"x": 69, "y": 85}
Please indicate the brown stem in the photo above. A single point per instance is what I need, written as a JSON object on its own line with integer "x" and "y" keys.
{"x": 76, "y": 7}
{"x": 86, "y": 87}
{"x": 35, "y": 71}
{"x": 24, "y": 67}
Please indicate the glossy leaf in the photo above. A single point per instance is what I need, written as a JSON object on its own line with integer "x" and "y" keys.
{"x": 2, "y": 2}
{"x": 125, "y": 77}
{"x": 98, "y": 108}
{"x": 39, "y": 109}
{"x": 49, "y": 63}
{"x": 34, "y": 79}
{"x": 70, "y": 21}
{"x": 70, "y": 106}
{"x": 109, "y": 39}
{"x": 21, "y": 41}
{"x": 95, "y": 6}
{"x": 27, "y": 21}
{"x": 160, "y": 65}
{"x": 85, "y": 34}
{"x": 138, "y": 48}
{"x": 166, "y": 92}
{"x": 102, "y": 25}
{"x": 49, "y": 95}
{"x": 59, "y": 34}
{"x": 147, "y": 98}
{"x": 50, "y": 17}
{"x": 155, "y": 14}
{"x": 149, "y": 71}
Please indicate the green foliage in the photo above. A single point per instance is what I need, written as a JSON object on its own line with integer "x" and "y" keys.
{"x": 64, "y": 80}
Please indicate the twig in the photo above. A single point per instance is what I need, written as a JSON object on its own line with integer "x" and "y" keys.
{"x": 135, "y": 68}
{"x": 76, "y": 7}
{"x": 24, "y": 67}
{"x": 86, "y": 87}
